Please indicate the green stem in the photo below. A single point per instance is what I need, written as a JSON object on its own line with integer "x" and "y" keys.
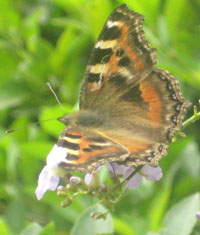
{"x": 120, "y": 196}
{"x": 80, "y": 193}
{"x": 194, "y": 118}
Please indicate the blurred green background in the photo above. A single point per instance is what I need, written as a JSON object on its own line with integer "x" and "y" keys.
{"x": 50, "y": 41}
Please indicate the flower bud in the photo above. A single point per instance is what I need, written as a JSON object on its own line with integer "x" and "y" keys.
{"x": 61, "y": 188}
{"x": 69, "y": 187}
{"x": 75, "y": 180}
{"x": 98, "y": 215}
{"x": 61, "y": 193}
{"x": 67, "y": 202}
{"x": 103, "y": 188}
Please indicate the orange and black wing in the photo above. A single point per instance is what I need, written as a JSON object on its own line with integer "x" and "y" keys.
{"x": 88, "y": 149}
{"x": 137, "y": 130}
{"x": 121, "y": 56}
{"x": 149, "y": 113}
{"x": 142, "y": 104}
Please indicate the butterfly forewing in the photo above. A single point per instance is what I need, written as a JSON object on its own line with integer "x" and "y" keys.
{"x": 121, "y": 55}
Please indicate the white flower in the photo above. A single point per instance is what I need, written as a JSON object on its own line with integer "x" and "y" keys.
{"x": 50, "y": 174}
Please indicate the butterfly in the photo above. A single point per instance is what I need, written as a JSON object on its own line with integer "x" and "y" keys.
{"x": 129, "y": 109}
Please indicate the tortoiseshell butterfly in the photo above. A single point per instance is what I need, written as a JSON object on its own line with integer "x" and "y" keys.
{"x": 129, "y": 109}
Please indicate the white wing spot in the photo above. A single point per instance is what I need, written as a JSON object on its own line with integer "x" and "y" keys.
{"x": 110, "y": 23}
{"x": 106, "y": 44}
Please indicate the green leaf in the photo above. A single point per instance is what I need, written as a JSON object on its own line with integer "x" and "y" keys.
{"x": 158, "y": 207}
{"x": 31, "y": 29}
{"x": 21, "y": 135}
{"x": 150, "y": 9}
{"x": 70, "y": 38}
{"x": 15, "y": 213}
{"x": 13, "y": 155}
{"x": 4, "y": 228}
{"x": 85, "y": 224}
{"x": 171, "y": 163}
{"x": 181, "y": 219}
{"x": 32, "y": 229}
{"x": 53, "y": 127}
{"x": 152, "y": 233}
{"x": 191, "y": 159}
{"x": 8, "y": 101}
{"x": 96, "y": 14}
{"x": 122, "y": 227}
{"x": 8, "y": 66}
{"x": 173, "y": 11}
{"x": 8, "y": 15}
{"x": 36, "y": 149}
{"x": 48, "y": 229}
{"x": 70, "y": 5}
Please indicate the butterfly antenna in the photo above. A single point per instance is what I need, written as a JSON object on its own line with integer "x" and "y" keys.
{"x": 31, "y": 124}
{"x": 58, "y": 101}
{"x": 36, "y": 123}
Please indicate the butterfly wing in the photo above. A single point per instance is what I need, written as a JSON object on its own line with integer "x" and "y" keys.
{"x": 121, "y": 55}
{"x": 141, "y": 121}
{"x": 143, "y": 105}
{"x": 88, "y": 149}
{"x": 146, "y": 117}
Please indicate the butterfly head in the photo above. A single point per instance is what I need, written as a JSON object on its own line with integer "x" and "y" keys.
{"x": 65, "y": 120}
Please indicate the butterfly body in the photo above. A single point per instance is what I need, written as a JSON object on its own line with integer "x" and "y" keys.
{"x": 129, "y": 109}
{"x": 84, "y": 119}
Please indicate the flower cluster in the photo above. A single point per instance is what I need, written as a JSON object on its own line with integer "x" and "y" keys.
{"x": 50, "y": 175}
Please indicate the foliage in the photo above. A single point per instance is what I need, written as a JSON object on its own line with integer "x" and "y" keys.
{"x": 50, "y": 41}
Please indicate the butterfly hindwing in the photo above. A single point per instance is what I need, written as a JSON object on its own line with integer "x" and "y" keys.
{"x": 152, "y": 112}
{"x": 87, "y": 149}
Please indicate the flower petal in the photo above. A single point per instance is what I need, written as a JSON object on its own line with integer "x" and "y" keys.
{"x": 88, "y": 178}
{"x": 53, "y": 182}
{"x": 135, "y": 180}
{"x": 46, "y": 181}
{"x": 56, "y": 156}
{"x": 115, "y": 168}
{"x": 152, "y": 173}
